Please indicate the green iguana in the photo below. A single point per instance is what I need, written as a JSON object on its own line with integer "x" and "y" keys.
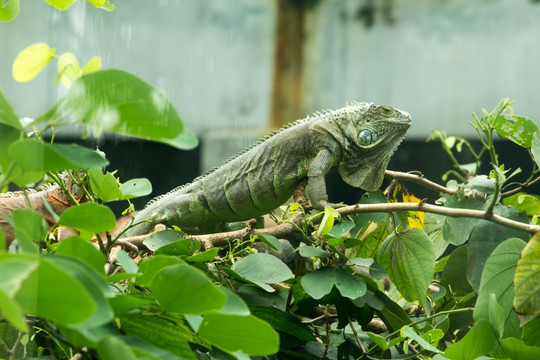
{"x": 356, "y": 140}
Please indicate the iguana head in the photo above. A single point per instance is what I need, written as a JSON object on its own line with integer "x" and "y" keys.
{"x": 370, "y": 135}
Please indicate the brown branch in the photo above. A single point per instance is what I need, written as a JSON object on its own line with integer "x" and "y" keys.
{"x": 282, "y": 230}
{"x": 452, "y": 212}
{"x": 418, "y": 179}
{"x": 520, "y": 187}
{"x": 293, "y": 225}
{"x": 209, "y": 241}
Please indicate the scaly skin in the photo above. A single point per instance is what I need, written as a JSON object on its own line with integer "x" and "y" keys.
{"x": 356, "y": 140}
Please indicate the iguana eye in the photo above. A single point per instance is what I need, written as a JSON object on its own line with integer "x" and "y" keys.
{"x": 367, "y": 137}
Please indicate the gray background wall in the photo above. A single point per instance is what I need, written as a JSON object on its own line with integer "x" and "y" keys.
{"x": 217, "y": 59}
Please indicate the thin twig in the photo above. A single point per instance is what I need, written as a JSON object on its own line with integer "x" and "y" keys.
{"x": 520, "y": 188}
{"x": 353, "y": 329}
{"x": 441, "y": 210}
{"x": 320, "y": 317}
{"x": 327, "y": 344}
{"x": 418, "y": 179}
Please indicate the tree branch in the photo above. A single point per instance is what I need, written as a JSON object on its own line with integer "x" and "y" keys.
{"x": 520, "y": 187}
{"x": 418, "y": 179}
{"x": 292, "y": 225}
{"x": 452, "y": 212}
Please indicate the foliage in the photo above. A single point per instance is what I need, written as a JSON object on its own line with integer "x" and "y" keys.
{"x": 379, "y": 285}
{"x": 9, "y": 9}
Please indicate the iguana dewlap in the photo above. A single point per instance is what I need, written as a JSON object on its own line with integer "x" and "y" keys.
{"x": 356, "y": 140}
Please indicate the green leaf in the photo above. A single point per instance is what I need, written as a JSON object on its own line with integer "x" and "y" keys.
{"x": 204, "y": 257}
{"x": 192, "y": 293}
{"x": 379, "y": 340}
{"x": 7, "y": 115}
{"x": 516, "y": 350}
{"x": 433, "y": 336}
{"x": 30, "y": 228}
{"x": 9, "y": 10}
{"x": 12, "y": 312}
{"x": 126, "y": 263}
{"x": 122, "y": 304}
{"x": 392, "y": 314}
{"x": 144, "y": 350}
{"x": 349, "y": 286}
{"x": 527, "y": 203}
{"x": 455, "y": 270}
{"x": 375, "y": 269}
{"x": 105, "y": 186}
{"x": 496, "y": 316}
{"x": 107, "y": 6}
{"x": 97, "y": 3}
{"x": 9, "y": 136}
{"x": 406, "y": 331}
{"x": 29, "y": 63}
{"x": 479, "y": 341}
{"x": 518, "y": 129}
{"x": 310, "y": 251}
{"x": 481, "y": 183}
{"x": 234, "y": 305}
{"x": 68, "y": 69}
{"x": 135, "y": 188}
{"x": 457, "y": 231}
{"x": 187, "y": 140}
{"x": 535, "y": 147}
{"x": 320, "y": 283}
{"x": 370, "y": 241}
{"x": 341, "y": 229}
{"x": 52, "y": 293}
{"x": 14, "y": 271}
{"x": 94, "y": 283}
{"x": 497, "y": 280}
{"x": 121, "y": 276}
{"x": 531, "y": 332}
{"x": 162, "y": 238}
{"x": 262, "y": 269}
{"x": 150, "y": 266}
{"x": 409, "y": 260}
{"x": 35, "y": 155}
{"x": 118, "y": 101}
{"x": 112, "y": 348}
{"x": 159, "y": 331}
{"x": 485, "y": 237}
{"x": 271, "y": 241}
{"x": 82, "y": 250}
{"x": 328, "y": 221}
{"x": 362, "y": 220}
{"x": 182, "y": 247}
{"x": 89, "y": 217}
{"x": 282, "y": 321}
{"x": 233, "y": 333}
{"x": 93, "y": 65}
{"x": 527, "y": 279}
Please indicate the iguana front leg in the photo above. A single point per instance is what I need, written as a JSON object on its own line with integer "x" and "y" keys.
{"x": 319, "y": 167}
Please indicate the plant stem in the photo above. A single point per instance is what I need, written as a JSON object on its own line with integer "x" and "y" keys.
{"x": 453, "y": 212}
{"x": 57, "y": 179}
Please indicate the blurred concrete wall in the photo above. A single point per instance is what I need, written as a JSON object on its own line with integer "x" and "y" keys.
{"x": 236, "y": 68}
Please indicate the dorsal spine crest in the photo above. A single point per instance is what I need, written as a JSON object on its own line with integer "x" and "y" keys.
{"x": 314, "y": 117}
